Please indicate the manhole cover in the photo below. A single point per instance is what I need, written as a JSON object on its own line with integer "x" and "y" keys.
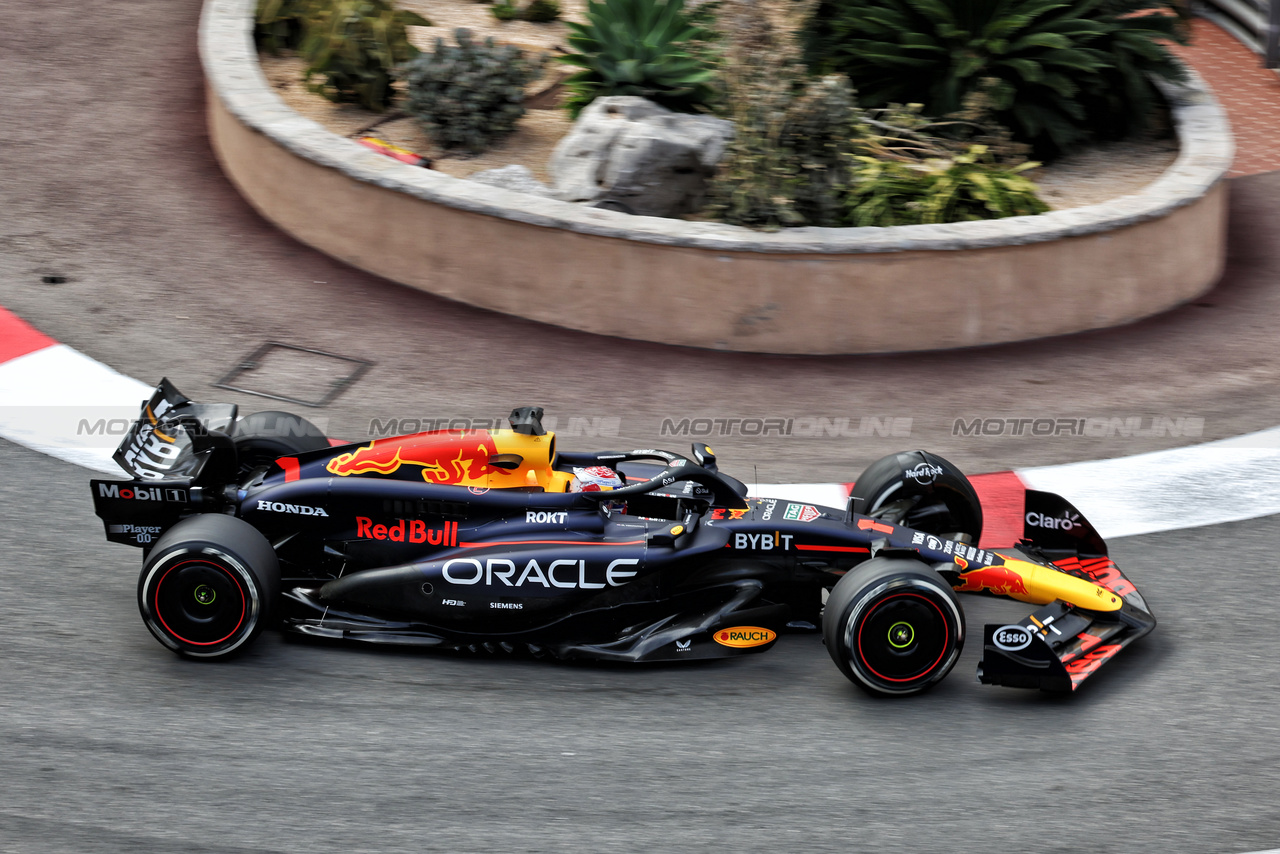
{"x": 294, "y": 374}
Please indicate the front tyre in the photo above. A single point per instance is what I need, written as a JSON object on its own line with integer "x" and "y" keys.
{"x": 209, "y": 586}
{"x": 921, "y": 491}
{"x": 893, "y": 626}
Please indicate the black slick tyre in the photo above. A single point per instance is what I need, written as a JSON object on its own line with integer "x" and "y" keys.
{"x": 922, "y": 491}
{"x": 893, "y": 626}
{"x": 209, "y": 586}
{"x": 263, "y": 437}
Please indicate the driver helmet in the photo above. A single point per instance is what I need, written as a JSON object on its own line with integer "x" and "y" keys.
{"x": 594, "y": 479}
{"x": 599, "y": 479}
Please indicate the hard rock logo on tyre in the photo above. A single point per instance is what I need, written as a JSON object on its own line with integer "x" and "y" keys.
{"x": 742, "y": 637}
{"x": 924, "y": 473}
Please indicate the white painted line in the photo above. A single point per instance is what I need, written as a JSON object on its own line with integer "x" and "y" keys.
{"x": 824, "y": 494}
{"x": 45, "y": 395}
{"x": 1224, "y": 481}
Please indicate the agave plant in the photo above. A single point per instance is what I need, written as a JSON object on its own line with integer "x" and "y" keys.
{"x": 541, "y": 11}
{"x": 351, "y": 47}
{"x": 638, "y": 47}
{"x": 1057, "y": 71}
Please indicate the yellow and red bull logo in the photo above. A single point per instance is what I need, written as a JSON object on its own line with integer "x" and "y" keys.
{"x": 446, "y": 456}
{"x": 996, "y": 579}
{"x": 1029, "y": 582}
{"x": 744, "y": 636}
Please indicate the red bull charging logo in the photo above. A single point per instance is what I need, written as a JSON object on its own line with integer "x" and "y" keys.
{"x": 996, "y": 579}
{"x": 447, "y": 456}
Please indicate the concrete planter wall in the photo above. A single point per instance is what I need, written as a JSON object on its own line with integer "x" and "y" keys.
{"x": 811, "y": 290}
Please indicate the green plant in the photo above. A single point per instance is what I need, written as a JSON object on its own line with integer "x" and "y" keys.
{"x": 278, "y": 24}
{"x": 638, "y": 47}
{"x": 969, "y": 187}
{"x": 1136, "y": 40}
{"x": 352, "y": 46}
{"x": 541, "y": 11}
{"x": 538, "y": 11}
{"x": 804, "y": 153}
{"x": 469, "y": 95}
{"x": 1055, "y": 72}
{"x": 901, "y": 132}
{"x": 788, "y": 162}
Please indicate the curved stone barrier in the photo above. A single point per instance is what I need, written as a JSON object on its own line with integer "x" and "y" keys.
{"x": 805, "y": 290}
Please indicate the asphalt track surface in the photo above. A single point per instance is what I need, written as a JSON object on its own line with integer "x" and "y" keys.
{"x": 110, "y": 743}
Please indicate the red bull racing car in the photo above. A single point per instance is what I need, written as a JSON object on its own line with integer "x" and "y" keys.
{"x": 488, "y": 541}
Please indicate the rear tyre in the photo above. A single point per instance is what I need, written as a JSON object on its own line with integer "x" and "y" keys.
{"x": 209, "y": 586}
{"x": 262, "y": 437}
{"x": 922, "y": 491}
{"x": 893, "y": 627}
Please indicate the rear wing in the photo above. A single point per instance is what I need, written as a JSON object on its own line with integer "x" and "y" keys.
{"x": 173, "y": 451}
{"x": 175, "y": 438}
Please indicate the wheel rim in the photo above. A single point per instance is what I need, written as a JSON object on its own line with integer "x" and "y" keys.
{"x": 902, "y": 638}
{"x": 200, "y": 603}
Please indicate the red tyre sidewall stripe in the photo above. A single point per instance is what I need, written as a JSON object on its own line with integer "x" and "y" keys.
{"x": 156, "y": 603}
{"x": 927, "y": 670}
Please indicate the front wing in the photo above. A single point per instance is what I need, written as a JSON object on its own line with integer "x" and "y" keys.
{"x": 1058, "y": 646}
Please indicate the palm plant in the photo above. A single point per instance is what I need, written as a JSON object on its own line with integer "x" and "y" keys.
{"x": 1137, "y": 35}
{"x": 1056, "y": 72}
{"x": 638, "y": 47}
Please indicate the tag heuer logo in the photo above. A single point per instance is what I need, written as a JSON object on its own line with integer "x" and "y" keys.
{"x": 801, "y": 512}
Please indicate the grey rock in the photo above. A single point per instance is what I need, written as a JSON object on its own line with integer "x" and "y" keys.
{"x": 630, "y": 150}
{"x": 514, "y": 177}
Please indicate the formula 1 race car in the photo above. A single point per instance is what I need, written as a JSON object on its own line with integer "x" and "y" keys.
{"x": 476, "y": 540}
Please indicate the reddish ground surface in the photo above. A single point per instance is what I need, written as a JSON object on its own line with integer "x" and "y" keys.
{"x": 1249, "y": 92}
